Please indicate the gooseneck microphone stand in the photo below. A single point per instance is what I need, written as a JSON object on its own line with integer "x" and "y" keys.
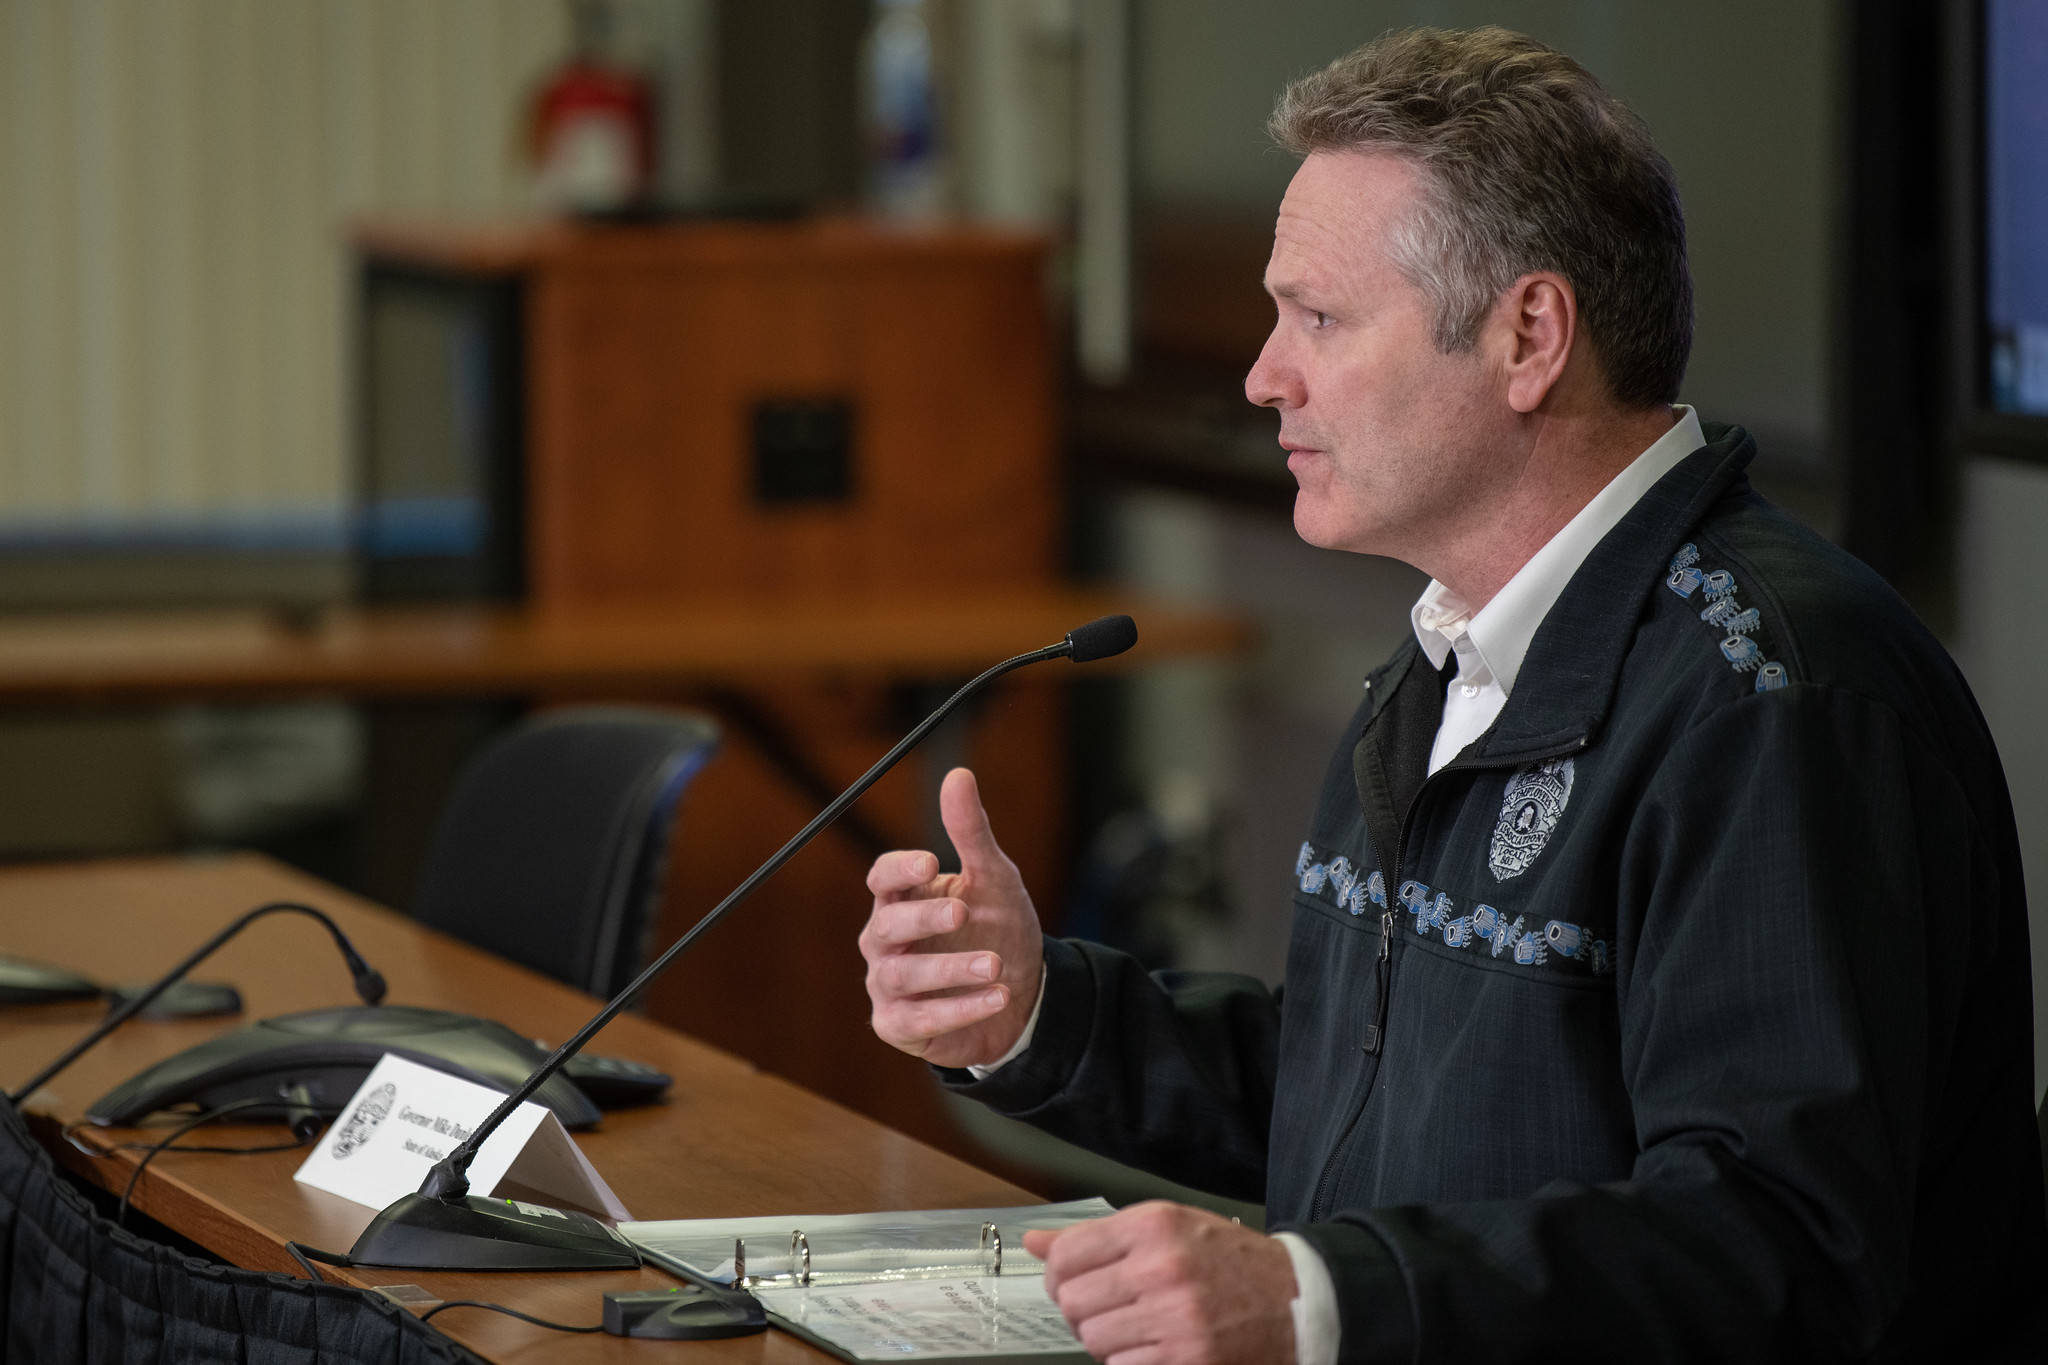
{"x": 369, "y": 985}
{"x": 444, "y": 1226}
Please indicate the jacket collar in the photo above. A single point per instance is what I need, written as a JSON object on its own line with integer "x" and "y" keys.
{"x": 1568, "y": 680}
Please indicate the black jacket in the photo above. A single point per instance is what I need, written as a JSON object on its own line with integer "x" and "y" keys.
{"x": 1684, "y": 1015}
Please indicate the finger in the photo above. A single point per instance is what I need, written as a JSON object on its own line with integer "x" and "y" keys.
{"x": 1039, "y": 1241}
{"x": 1102, "y": 1290}
{"x": 897, "y": 924}
{"x": 922, "y": 973}
{"x": 901, "y": 871}
{"x": 1084, "y": 1247}
{"x": 966, "y": 822}
{"x": 924, "y": 1018}
{"x": 1128, "y": 1334}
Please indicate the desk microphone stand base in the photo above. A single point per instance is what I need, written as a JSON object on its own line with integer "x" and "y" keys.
{"x": 426, "y": 1232}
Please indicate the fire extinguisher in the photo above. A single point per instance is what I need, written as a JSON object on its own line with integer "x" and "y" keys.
{"x": 590, "y": 134}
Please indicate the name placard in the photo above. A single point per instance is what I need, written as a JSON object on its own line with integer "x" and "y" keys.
{"x": 405, "y": 1117}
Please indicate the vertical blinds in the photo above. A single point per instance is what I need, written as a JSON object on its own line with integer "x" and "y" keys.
{"x": 176, "y": 177}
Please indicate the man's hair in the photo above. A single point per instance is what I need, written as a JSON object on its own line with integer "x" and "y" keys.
{"x": 1526, "y": 164}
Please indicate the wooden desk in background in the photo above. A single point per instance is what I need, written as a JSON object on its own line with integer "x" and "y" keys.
{"x": 818, "y": 681}
{"x": 729, "y": 1141}
{"x": 78, "y": 659}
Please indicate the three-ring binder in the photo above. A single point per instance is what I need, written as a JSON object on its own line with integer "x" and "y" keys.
{"x": 868, "y": 1264}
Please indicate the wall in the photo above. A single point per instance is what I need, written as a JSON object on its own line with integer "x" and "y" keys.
{"x": 174, "y": 285}
{"x": 2001, "y": 563}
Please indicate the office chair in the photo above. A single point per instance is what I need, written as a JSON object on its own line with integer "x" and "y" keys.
{"x": 551, "y": 847}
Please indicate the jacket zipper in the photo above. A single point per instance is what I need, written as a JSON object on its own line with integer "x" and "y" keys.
{"x": 1376, "y": 1036}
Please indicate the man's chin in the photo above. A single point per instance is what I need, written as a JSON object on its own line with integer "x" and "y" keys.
{"x": 1314, "y": 526}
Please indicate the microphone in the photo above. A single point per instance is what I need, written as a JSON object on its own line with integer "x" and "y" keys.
{"x": 369, "y": 985}
{"x": 444, "y": 1227}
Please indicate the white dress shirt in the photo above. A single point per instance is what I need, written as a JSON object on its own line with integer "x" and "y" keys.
{"x": 1490, "y": 644}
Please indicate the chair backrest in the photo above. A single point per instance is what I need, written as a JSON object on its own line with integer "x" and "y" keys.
{"x": 551, "y": 847}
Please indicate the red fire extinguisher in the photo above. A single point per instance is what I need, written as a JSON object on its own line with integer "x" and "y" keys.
{"x": 590, "y": 136}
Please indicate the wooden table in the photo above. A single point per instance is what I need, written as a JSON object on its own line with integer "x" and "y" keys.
{"x": 729, "y": 1141}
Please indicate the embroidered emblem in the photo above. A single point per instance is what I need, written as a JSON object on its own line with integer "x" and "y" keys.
{"x": 1530, "y": 810}
{"x": 1437, "y": 912}
{"x": 1723, "y": 612}
{"x": 1684, "y": 582}
{"x": 1351, "y": 892}
{"x": 1741, "y": 653}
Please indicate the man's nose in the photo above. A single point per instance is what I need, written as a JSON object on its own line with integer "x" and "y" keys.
{"x": 1272, "y": 382}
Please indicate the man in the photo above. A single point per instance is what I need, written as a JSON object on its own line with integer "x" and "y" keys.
{"x": 1658, "y": 986}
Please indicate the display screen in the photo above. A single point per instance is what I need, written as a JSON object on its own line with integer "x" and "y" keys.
{"x": 2016, "y": 205}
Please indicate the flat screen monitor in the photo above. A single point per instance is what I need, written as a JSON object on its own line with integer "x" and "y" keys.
{"x": 441, "y": 435}
{"x": 2014, "y": 207}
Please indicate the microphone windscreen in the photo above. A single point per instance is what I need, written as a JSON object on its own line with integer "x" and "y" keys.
{"x": 1101, "y": 639}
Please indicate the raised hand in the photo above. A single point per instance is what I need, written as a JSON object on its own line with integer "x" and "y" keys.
{"x": 953, "y": 960}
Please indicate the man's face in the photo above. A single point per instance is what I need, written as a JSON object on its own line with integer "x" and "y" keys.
{"x": 1387, "y": 437}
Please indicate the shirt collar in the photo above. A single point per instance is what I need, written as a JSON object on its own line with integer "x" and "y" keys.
{"x": 1500, "y": 631}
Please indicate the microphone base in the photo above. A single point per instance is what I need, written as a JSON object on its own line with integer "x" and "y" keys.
{"x": 421, "y": 1232}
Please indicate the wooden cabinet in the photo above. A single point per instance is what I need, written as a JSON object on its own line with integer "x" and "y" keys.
{"x": 769, "y": 414}
{"x": 828, "y": 408}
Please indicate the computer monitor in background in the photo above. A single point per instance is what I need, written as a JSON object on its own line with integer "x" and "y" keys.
{"x": 2014, "y": 196}
{"x": 440, "y": 435}
{"x": 1998, "y": 227}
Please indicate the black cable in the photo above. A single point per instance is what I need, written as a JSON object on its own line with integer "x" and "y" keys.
{"x": 369, "y": 982}
{"x": 71, "y": 1131}
{"x": 306, "y": 1255}
{"x": 510, "y": 1313}
{"x": 301, "y": 1252}
{"x": 155, "y": 1149}
{"x": 291, "y": 1146}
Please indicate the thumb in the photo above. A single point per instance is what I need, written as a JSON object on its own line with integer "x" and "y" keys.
{"x": 966, "y": 822}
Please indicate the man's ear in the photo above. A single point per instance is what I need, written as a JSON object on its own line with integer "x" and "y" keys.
{"x": 1539, "y": 318}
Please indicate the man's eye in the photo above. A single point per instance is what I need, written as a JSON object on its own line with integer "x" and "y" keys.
{"x": 1321, "y": 320}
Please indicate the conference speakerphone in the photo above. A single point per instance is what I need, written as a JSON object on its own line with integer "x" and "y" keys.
{"x": 317, "y": 1059}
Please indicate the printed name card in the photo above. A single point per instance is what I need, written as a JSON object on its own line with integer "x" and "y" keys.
{"x": 406, "y": 1117}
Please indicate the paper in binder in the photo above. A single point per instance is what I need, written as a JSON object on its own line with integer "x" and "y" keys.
{"x": 925, "y": 1285}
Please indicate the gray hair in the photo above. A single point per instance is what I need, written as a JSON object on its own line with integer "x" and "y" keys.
{"x": 1526, "y": 164}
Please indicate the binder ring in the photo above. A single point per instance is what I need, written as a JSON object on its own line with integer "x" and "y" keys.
{"x": 992, "y": 1247}
{"x": 800, "y": 1257}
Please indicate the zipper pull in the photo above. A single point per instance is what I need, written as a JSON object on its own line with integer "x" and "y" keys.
{"x": 1382, "y": 971}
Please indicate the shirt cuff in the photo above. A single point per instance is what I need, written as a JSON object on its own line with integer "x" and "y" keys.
{"x": 982, "y": 1073}
{"x": 1315, "y": 1303}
